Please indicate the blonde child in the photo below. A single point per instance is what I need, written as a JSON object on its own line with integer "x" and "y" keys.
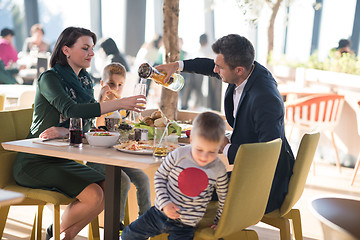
{"x": 112, "y": 86}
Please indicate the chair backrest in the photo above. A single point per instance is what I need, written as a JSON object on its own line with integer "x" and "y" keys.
{"x": 316, "y": 112}
{"x": 26, "y": 99}
{"x": 14, "y": 125}
{"x": 301, "y": 170}
{"x": 2, "y": 101}
{"x": 249, "y": 186}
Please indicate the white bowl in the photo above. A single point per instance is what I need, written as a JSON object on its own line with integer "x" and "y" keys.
{"x": 102, "y": 141}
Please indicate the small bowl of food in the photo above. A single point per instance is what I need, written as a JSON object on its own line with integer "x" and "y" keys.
{"x": 102, "y": 139}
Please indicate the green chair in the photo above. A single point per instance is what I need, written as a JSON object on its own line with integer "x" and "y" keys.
{"x": 248, "y": 193}
{"x": 279, "y": 218}
{"x": 15, "y": 125}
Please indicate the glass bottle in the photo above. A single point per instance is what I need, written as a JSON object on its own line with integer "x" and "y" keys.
{"x": 175, "y": 83}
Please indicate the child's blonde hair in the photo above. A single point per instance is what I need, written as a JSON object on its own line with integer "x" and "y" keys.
{"x": 114, "y": 68}
{"x": 210, "y": 126}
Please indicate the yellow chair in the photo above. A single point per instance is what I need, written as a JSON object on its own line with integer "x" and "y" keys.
{"x": 2, "y": 101}
{"x": 15, "y": 125}
{"x": 279, "y": 218}
{"x": 248, "y": 193}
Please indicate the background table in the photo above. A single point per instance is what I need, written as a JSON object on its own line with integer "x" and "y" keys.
{"x": 339, "y": 217}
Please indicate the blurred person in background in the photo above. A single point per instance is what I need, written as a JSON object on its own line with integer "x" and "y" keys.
{"x": 149, "y": 52}
{"x": 8, "y": 52}
{"x": 112, "y": 53}
{"x": 8, "y": 57}
{"x": 35, "y": 43}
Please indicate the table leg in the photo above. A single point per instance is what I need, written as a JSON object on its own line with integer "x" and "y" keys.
{"x": 112, "y": 202}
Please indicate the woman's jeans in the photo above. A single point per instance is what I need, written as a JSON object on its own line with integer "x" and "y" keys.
{"x": 153, "y": 223}
{"x": 139, "y": 179}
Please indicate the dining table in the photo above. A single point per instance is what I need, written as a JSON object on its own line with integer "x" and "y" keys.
{"x": 10, "y": 197}
{"x": 113, "y": 159}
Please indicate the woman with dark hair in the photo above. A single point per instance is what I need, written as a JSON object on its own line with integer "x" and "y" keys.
{"x": 63, "y": 92}
{"x": 112, "y": 52}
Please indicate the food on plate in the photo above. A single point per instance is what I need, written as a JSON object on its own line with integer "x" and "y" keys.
{"x": 156, "y": 115}
{"x": 102, "y": 134}
{"x": 124, "y": 126}
{"x": 160, "y": 122}
{"x": 149, "y": 121}
{"x": 188, "y": 132}
{"x": 97, "y": 130}
{"x": 142, "y": 145}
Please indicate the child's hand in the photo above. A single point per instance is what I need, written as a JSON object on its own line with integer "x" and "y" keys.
{"x": 213, "y": 226}
{"x": 105, "y": 92}
{"x": 171, "y": 210}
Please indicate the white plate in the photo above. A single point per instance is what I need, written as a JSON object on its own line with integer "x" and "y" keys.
{"x": 140, "y": 152}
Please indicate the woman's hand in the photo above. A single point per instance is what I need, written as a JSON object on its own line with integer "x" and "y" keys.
{"x": 171, "y": 210}
{"x": 54, "y": 132}
{"x": 169, "y": 69}
{"x": 135, "y": 103}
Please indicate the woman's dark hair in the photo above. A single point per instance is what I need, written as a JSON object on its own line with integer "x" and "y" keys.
{"x": 7, "y": 31}
{"x": 68, "y": 37}
{"x": 109, "y": 46}
{"x": 237, "y": 51}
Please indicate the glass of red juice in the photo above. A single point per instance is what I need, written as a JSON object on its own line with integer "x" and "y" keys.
{"x": 76, "y": 132}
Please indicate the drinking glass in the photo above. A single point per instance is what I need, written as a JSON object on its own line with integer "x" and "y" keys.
{"x": 160, "y": 143}
{"x": 76, "y": 132}
{"x": 140, "y": 89}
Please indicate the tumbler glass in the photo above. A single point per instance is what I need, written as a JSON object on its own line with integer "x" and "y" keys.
{"x": 76, "y": 132}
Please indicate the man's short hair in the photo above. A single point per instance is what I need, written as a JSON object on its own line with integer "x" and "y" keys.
{"x": 7, "y": 31}
{"x": 210, "y": 126}
{"x": 237, "y": 50}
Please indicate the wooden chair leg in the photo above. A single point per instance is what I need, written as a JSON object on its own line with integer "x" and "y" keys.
{"x": 56, "y": 224}
{"x": 336, "y": 152}
{"x": 94, "y": 233}
{"x": 355, "y": 170}
{"x": 296, "y": 224}
{"x": 127, "y": 213}
{"x": 37, "y": 226}
{"x": 280, "y": 223}
{"x": 4, "y": 211}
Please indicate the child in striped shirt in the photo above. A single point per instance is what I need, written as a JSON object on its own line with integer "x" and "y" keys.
{"x": 184, "y": 184}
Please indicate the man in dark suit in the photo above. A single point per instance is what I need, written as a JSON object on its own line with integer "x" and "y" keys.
{"x": 253, "y": 105}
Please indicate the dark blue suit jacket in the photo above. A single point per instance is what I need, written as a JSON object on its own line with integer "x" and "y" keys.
{"x": 259, "y": 118}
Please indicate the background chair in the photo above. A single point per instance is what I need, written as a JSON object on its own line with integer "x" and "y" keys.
{"x": 2, "y": 101}
{"x": 248, "y": 193}
{"x": 356, "y": 168}
{"x": 279, "y": 218}
{"x": 316, "y": 113}
{"x": 15, "y": 125}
